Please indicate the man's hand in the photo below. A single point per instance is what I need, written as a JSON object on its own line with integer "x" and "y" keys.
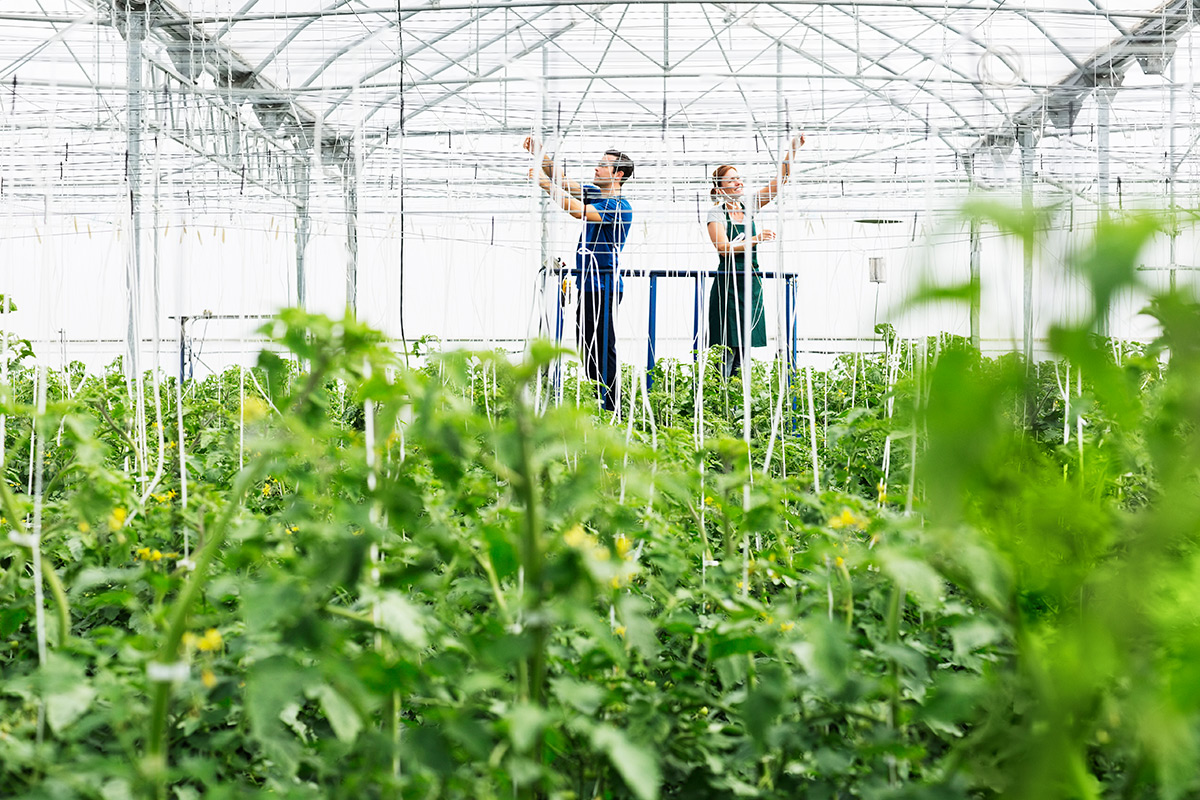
{"x": 540, "y": 177}
{"x": 532, "y": 145}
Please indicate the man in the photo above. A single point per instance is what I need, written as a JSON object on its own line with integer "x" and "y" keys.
{"x": 606, "y": 216}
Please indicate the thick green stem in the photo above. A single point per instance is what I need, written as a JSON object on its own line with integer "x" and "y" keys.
{"x": 531, "y": 557}
{"x": 60, "y": 601}
{"x": 894, "y": 608}
{"x": 156, "y": 745}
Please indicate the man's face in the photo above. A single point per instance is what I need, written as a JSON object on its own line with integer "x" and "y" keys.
{"x": 605, "y": 174}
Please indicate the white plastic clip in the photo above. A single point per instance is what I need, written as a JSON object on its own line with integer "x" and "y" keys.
{"x": 21, "y": 539}
{"x": 167, "y": 673}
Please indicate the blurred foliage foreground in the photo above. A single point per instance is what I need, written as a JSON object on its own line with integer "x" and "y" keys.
{"x": 383, "y": 582}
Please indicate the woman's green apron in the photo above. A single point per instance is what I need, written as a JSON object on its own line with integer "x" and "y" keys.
{"x": 725, "y": 303}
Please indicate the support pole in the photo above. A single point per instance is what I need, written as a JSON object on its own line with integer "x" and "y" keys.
{"x": 976, "y": 247}
{"x": 781, "y": 146}
{"x": 1104, "y": 98}
{"x": 135, "y": 32}
{"x": 543, "y": 198}
{"x": 1027, "y": 140}
{"x": 350, "y": 178}
{"x": 976, "y": 283}
{"x": 651, "y": 329}
{"x": 182, "y": 348}
{"x": 302, "y": 169}
{"x": 1172, "y": 167}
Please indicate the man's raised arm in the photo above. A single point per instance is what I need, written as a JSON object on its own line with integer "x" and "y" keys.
{"x": 549, "y": 168}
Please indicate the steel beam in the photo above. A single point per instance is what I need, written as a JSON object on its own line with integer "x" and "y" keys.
{"x": 435, "y": 6}
{"x": 1152, "y": 42}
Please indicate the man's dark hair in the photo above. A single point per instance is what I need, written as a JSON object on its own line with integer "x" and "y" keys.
{"x": 623, "y": 164}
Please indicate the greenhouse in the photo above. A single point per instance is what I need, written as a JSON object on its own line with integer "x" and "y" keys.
{"x": 549, "y": 399}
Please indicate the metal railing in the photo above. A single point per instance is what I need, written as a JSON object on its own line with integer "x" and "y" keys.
{"x": 697, "y": 277}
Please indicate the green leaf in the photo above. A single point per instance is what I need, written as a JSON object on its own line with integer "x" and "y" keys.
{"x": 583, "y": 697}
{"x": 116, "y": 789}
{"x": 764, "y": 702}
{"x": 639, "y": 630}
{"x": 636, "y": 765}
{"x": 272, "y": 685}
{"x": 10, "y": 620}
{"x": 525, "y": 724}
{"x": 63, "y": 708}
{"x": 403, "y": 619}
{"x": 67, "y": 692}
{"x": 913, "y": 575}
{"x": 342, "y": 716}
{"x": 824, "y": 653}
{"x": 739, "y": 645}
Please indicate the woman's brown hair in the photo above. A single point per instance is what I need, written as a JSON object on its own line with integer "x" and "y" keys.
{"x": 717, "y": 175}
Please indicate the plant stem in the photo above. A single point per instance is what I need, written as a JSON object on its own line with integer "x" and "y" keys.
{"x": 156, "y": 745}
{"x": 531, "y": 556}
{"x": 60, "y": 601}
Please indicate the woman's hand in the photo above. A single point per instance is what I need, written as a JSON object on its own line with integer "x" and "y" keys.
{"x": 530, "y": 144}
{"x": 765, "y": 236}
{"x": 797, "y": 141}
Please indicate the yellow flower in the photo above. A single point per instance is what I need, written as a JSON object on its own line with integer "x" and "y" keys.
{"x": 623, "y": 546}
{"x": 116, "y": 520}
{"x": 846, "y": 519}
{"x": 254, "y": 409}
{"x": 210, "y": 641}
{"x": 575, "y": 536}
{"x": 840, "y": 561}
{"x": 208, "y": 678}
{"x": 143, "y": 553}
{"x": 615, "y": 582}
{"x": 786, "y": 626}
{"x": 83, "y": 526}
{"x": 708, "y": 501}
{"x": 882, "y": 489}
{"x": 290, "y": 529}
{"x": 620, "y": 631}
{"x": 189, "y": 639}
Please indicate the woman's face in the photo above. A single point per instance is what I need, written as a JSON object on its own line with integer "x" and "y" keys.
{"x": 731, "y": 184}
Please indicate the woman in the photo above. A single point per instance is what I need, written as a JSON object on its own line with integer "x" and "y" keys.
{"x": 727, "y": 230}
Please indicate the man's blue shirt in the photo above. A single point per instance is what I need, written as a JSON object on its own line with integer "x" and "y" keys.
{"x": 601, "y": 242}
